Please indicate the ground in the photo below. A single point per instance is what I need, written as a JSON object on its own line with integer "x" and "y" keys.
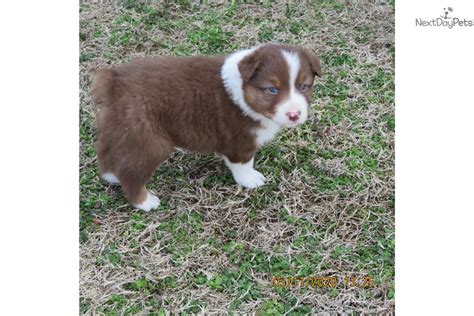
{"x": 213, "y": 247}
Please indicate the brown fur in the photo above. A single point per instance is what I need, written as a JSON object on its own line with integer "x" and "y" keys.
{"x": 273, "y": 70}
{"x": 148, "y": 107}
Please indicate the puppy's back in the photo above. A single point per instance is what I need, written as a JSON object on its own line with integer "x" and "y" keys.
{"x": 182, "y": 99}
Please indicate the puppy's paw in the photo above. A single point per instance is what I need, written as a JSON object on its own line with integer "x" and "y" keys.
{"x": 151, "y": 202}
{"x": 251, "y": 179}
{"x": 111, "y": 178}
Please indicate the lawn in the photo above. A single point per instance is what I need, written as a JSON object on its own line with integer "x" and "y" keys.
{"x": 212, "y": 247}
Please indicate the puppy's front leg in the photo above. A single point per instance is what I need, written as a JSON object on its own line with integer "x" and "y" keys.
{"x": 244, "y": 174}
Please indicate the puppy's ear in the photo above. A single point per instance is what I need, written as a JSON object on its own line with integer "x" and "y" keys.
{"x": 313, "y": 62}
{"x": 249, "y": 65}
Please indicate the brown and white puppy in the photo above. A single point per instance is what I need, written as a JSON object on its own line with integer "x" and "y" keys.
{"x": 230, "y": 106}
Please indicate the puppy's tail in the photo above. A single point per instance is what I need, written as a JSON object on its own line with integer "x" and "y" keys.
{"x": 103, "y": 87}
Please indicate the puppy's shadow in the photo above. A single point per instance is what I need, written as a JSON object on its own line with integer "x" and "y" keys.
{"x": 184, "y": 170}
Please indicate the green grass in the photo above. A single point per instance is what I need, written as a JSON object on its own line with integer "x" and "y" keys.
{"x": 327, "y": 207}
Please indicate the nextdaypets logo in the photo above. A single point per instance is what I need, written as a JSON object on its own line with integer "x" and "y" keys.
{"x": 445, "y": 20}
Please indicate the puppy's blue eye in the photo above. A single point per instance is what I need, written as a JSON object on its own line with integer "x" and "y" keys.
{"x": 272, "y": 90}
{"x": 303, "y": 87}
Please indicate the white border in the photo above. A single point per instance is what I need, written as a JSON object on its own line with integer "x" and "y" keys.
{"x": 39, "y": 160}
{"x": 39, "y": 265}
{"x": 434, "y": 161}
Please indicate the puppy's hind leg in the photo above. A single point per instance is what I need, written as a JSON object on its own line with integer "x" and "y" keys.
{"x": 140, "y": 197}
{"x": 135, "y": 169}
{"x": 110, "y": 178}
{"x": 105, "y": 160}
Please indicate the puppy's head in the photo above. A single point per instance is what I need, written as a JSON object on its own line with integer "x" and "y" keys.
{"x": 277, "y": 82}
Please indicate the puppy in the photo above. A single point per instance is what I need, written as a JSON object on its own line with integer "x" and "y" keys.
{"x": 227, "y": 105}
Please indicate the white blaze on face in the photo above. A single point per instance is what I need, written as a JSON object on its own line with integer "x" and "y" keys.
{"x": 296, "y": 102}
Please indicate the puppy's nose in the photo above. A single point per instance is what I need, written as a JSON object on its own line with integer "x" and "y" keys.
{"x": 293, "y": 116}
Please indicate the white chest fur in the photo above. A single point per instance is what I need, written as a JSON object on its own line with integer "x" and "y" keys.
{"x": 266, "y": 133}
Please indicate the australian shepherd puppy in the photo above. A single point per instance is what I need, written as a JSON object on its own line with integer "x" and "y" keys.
{"x": 227, "y": 105}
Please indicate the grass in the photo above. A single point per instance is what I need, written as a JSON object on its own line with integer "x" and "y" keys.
{"x": 328, "y": 206}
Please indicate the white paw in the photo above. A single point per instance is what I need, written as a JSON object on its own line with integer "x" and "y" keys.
{"x": 151, "y": 202}
{"x": 110, "y": 178}
{"x": 251, "y": 179}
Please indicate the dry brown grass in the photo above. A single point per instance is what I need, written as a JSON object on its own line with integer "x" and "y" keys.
{"x": 328, "y": 208}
